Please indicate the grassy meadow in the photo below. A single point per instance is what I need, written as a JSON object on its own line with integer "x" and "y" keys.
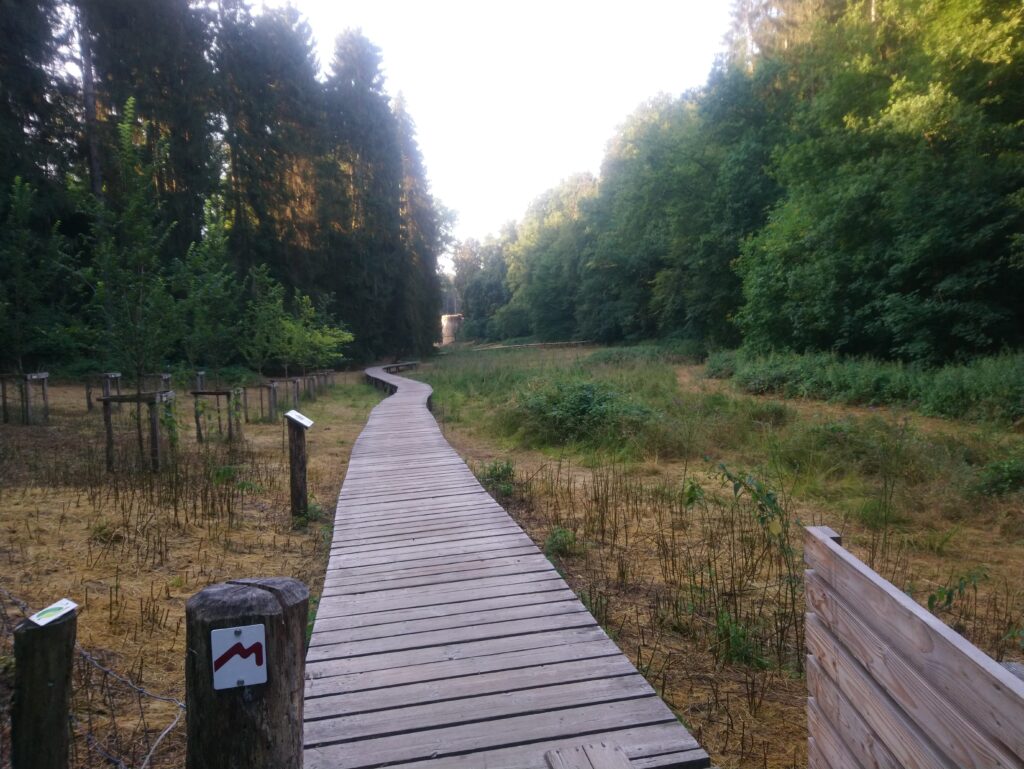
{"x": 673, "y": 504}
{"x": 132, "y": 546}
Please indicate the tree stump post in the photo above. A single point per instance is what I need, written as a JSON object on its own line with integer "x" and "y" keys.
{"x": 46, "y": 400}
{"x": 272, "y": 401}
{"x": 26, "y": 400}
{"x": 235, "y": 415}
{"x": 297, "y": 461}
{"x": 154, "y": 436}
{"x": 247, "y": 727}
{"x": 108, "y": 426}
{"x": 197, "y": 411}
{"x": 43, "y": 661}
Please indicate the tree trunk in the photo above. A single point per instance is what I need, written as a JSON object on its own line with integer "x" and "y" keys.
{"x": 89, "y": 98}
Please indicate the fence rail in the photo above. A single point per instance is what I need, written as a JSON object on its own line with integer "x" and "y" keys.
{"x": 889, "y": 684}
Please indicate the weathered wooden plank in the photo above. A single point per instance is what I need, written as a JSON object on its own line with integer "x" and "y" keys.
{"x": 650, "y": 747}
{"x": 834, "y": 753}
{"x": 324, "y": 647}
{"x": 328, "y": 620}
{"x": 513, "y": 731}
{"x": 451, "y": 578}
{"x": 894, "y": 728}
{"x": 592, "y": 756}
{"x": 410, "y": 597}
{"x": 959, "y": 670}
{"x": 455, "y": 651}
{"x": 446, "y": 714}
{"x": 435, "y": 534}
{"x": 436, "y": 553}
{"x": 457, "y": 565}
{"x": 322, "y": 683}
{"x": 943, "y": 722}
{"x": 847, "y": 722}
{"x": 425, "y": 693}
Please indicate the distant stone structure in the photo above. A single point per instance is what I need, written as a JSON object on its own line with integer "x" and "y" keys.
{"x": 450, "y": 325}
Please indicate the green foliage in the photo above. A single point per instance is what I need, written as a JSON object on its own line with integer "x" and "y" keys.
{"x": 208, "y": 295}
{"x": 498, "y": 477}
{"x": 736, "y": 644}
{"x": 265, "y": 321}
{"x": 33, "y": 262}
{"x": 1005, "y": 476}
{"x": 131, "y": 299}
{"x": 560, "y": 543}
{"x": 986, "y": 389}
{"x": 573, "y": 410}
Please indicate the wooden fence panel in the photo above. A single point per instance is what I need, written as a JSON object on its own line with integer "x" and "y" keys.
{"x": 894, "y": 685}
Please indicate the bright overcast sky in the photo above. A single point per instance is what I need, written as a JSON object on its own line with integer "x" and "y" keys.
{"x": 511, "y": 98}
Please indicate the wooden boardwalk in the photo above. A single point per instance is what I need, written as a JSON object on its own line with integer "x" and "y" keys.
{"x": 444, "y": 637}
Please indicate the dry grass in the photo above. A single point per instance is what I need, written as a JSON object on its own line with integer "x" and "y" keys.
{"x": 131, "y": 548}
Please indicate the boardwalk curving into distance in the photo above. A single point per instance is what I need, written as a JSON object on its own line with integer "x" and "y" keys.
{"x": 445, "y": 638}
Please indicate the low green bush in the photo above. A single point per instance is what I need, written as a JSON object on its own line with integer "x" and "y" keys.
{"x": 560, "y": 542}
{"x": 986, "y": 389}
{"x": 571, "y": 409}
{"x": 498, "y": 477}
{"x": 1002, "y": 477}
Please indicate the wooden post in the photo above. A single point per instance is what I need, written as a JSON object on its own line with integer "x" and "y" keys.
{"x": 259, "y": 726}
{"x": 26, "y": 400}
{"x": 199, "y": 418}
{"x": 297, "y": 463}
{"x": 88, "y": 395}
{"x": 200, "y": 380}
{"x": 108, "y": 425}
{"x": 3, "y": 400}
{"x": 154, "y": 435}
{"x": 43, "y": 660}
{"x": 245, "y": 403}
{"x": 46, "y": 400}
{"x": 272, "y": 401}
{"x": 235, "y": 415}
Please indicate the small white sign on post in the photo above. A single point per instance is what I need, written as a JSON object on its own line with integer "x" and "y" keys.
{"x": 239, "y": 656}
{"x": 300, "y": 419}
{"x": 53, "y": 611}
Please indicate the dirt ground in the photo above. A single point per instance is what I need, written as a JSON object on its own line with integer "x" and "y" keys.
{"x": 131, "y": 562}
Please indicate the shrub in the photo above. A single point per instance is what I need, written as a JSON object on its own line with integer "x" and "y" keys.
{"x": 572, "y": 410}
{"x": 1002, "y": 477}
{"x": 560, "y": 542}
{"x": 498, "y": 477}
{"x": 721, "y": 365}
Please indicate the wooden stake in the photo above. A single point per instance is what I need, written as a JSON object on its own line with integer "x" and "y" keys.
{"x": 297, "y": 463}
{"x": 108, "y": 425}
{"x": 154, "y": 436}
{"x": 43, "y": 660}
{"x": 26, "y": 401}
{"x": 199, "y": 420}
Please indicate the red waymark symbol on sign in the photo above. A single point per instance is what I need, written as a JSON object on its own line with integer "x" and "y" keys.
{"x": 240, "y": 651}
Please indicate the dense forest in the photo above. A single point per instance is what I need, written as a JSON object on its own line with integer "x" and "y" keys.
{"x": 849, "y": 179}
{"x": 179, "y": 182}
